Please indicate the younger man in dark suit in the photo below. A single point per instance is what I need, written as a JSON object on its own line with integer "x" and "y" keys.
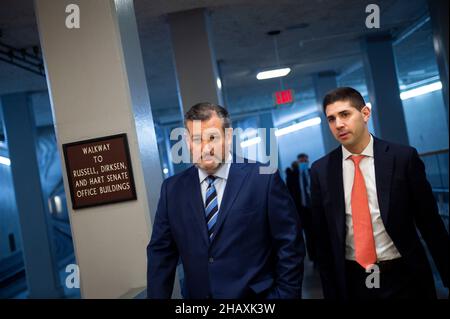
{"x": 368, "y": 197}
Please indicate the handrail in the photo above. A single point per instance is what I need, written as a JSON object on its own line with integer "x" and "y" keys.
{"x": 434, "y": 152}
{"x": 440, "y": 190}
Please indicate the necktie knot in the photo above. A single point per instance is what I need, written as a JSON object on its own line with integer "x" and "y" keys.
{"x": 210, "y": 179}
{"x": 356, "y": 159}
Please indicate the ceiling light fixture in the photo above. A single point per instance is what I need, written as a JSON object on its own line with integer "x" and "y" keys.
{"x": 297, "y": 126}
{"x": 5, "y": 161}
{"x": 219, "y": 84}
{"x": 279, "y": 71}
{"x": 250, "y": 142}
{"x": 421, "y": 90}
{"x": 276, "y": 73}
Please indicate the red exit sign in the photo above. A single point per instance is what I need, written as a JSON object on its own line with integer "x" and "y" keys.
{"x": 284, "y": 97}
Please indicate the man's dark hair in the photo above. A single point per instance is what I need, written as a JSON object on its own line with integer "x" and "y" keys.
{"x": 344, "y": 94}
{"x": 302, "y": 155}
{"x": 204, "y": 111}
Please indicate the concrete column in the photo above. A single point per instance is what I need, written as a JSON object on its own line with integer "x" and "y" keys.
{"x": 269, "y": 143}
{"x": 97, "y": 86}
{"x": 195, "y": 61}
{"x": 141, "y": 109}
{"x": 439, "y": 22}
{"x": 37, "y": 241}
{"x": 168, "y": 148}
{"x": 384, "y": 93}
{"x": 323, "y": 83}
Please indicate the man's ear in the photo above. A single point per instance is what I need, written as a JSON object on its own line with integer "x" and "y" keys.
{"x": 187, "y": 137}
{"x": 366, "y": 112}
{"x": 229, "y": 136}
{"x": 229, "y": 133}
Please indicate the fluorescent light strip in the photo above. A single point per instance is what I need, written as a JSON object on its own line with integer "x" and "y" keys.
{"x": 219, "y": 84}
{"x": 58, "y": 204}
{"x": 297, "y": 126}
{"x": 248, "y": 134}
{"x": 421, "y": 90}
{"x": 405, "y": 87}
{"x": 273, "y": 73}
{"x": 5, "y": 161}
{"x": 250, "y": 142}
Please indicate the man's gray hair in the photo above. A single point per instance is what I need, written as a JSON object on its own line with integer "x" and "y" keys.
{"x": 204, "y": 111}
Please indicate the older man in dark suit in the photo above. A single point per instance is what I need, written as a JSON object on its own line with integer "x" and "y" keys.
{"x": 235, "y": 229}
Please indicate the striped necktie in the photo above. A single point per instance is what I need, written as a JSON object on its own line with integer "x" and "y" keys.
{"x": 211, "y": 205}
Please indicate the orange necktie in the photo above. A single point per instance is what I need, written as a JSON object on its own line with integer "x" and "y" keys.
{"x": 365, "y": 252}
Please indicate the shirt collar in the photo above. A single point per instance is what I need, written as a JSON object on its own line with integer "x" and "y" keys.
{"x": 368, "y": 151}
{"x": 221, "y": 173}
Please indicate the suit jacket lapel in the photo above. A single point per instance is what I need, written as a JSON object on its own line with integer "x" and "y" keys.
{"x": 336, "y": 191}
{"x": 384, "y": 165}
{"x": 236, "y": 176}
{"x": 192, "y": 186}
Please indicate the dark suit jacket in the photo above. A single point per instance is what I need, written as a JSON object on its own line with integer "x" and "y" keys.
{"x": 406, "y": 201}
{"x": 256, "y": 249}
{"x": 293, "y": 185}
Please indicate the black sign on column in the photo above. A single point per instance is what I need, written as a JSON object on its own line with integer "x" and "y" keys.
{"x": 99, "y": 171}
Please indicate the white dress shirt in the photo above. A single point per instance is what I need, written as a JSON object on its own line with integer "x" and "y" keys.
{"x": 384, "y": 245}
{"x": 220, "y": 182}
